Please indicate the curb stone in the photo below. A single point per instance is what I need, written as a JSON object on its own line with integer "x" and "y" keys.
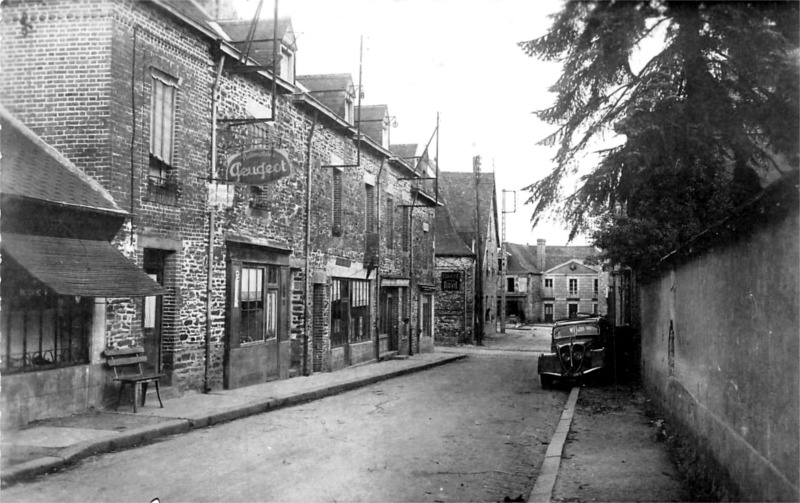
{"x": 29, "y": 469}
{"x": 546, "y": 481}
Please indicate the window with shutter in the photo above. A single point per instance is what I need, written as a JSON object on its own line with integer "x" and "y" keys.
{"x": 162, "y": 127}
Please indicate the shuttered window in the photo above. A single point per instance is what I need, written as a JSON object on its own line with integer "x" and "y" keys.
{"x": 162, "y": 126}
{"x": 389, "y": 223}
{"x": 337, "y": 203}
{"x": 370, "y": 208}
{"x": 406, "y": 232}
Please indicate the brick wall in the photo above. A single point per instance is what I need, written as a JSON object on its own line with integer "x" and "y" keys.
{"x": 80, "y": 77}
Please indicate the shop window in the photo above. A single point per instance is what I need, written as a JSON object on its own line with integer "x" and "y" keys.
{"x": 350, "y": 314}
{"x": 258, "y": 297}
{"x": 43, "y": 330}
{"x": 359, "y": 310}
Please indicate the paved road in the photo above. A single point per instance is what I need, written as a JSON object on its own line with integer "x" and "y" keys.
{"x": 472, "y": 430}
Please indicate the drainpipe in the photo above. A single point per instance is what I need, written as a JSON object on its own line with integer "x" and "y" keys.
{"x": 378, "y": 269}
{"x": 307, "y": 251}
{"x": 211, "y": 223}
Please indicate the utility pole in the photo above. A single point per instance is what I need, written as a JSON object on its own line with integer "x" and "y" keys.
{"x": 479, "y": 249}
{"x": 504, "y": 262}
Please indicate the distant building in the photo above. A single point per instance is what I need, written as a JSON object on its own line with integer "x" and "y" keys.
{"x": 467, "y": 223}
{"x": 546, "y": 283}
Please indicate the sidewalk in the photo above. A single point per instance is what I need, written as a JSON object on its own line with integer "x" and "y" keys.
{"x": 50, "y": 444}
{"x": 605, "y": 448}
{"x": 608, "y": 448}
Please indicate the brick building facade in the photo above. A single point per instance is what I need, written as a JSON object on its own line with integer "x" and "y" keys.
{"x": 154, "y": 103}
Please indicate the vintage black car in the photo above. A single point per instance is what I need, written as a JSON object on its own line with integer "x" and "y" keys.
{"x": 579, "y": 347}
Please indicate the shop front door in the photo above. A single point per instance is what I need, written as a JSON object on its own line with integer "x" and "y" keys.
{"x": 258, "y": 312}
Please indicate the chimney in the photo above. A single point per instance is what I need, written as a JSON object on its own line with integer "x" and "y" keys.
{"x": 541, "y": 253}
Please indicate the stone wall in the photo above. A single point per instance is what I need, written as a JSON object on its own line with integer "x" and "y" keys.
{"x": 720, "y": 344}
{"x": 455, "y": 310}
{"x": 80, "y": 77}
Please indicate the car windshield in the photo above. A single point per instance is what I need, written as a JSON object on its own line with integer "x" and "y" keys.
{"x": 576, "y": 330}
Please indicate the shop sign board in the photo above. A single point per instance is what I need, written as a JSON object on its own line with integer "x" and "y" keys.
{"x": 451, "y": 281}
{"x": 258, "y": 166}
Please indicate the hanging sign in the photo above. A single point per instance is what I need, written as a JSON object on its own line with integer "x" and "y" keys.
{"x": 258, "y": 166}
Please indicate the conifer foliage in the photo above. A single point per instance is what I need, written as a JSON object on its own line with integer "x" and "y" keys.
{"x": 696, "y": 102}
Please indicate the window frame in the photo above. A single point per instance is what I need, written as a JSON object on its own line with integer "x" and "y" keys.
{"x": 573, "y": 292}
{"x": 162, "y": 156}
{"x": 351, "y": 313}
{"x": 336, "y": 202}
{"x": 68, "y": 318}
{"x": 369, "y": 208}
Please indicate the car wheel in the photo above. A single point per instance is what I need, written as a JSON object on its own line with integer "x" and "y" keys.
{"x": 546, "y": 380}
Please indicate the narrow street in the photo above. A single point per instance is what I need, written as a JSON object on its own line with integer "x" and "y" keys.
{"x": 472, "y": 430}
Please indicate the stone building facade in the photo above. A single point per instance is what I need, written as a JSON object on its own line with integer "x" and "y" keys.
{"x": 547, "y": 283}
{"x": 261, "y": 279}
{"x": 467, "y": 243}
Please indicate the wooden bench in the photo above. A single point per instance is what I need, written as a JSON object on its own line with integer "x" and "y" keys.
{"x": 127, "y": 365}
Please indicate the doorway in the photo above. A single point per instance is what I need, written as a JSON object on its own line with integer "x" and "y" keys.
{"x": 257, "y": 346}
{"x": 154, "y": 266}
{"x": 548, "y": 313}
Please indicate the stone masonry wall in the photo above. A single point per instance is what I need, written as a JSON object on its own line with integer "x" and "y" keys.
{"x": 454, "y": 318}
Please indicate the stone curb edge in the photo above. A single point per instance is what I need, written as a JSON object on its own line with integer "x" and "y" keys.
{"x": 543, "y": 488}
{"x": 45, "y": 464}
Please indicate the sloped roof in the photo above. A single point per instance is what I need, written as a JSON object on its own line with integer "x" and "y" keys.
{"x": 261, "y": 47}
{"x": 458, "y": 191}
{"x": 573, "y": 266}
{"x": 191, "y": 12}
{"x": 33, "y": 169}
{"x": 329, "y": 89}
{"x": 448, "y": 241}
{"x": 372, "y": 118}
{"x": 405, "y": 151}
{"x": 556, "y": 255}
{"x": 525, "y": 258}
{"x": 521, "y": 259}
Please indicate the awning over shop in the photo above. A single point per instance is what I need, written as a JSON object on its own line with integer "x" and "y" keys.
{"x": 87, "y": 268}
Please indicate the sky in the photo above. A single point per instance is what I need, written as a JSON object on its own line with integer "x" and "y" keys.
{"x": 455, "y": 58}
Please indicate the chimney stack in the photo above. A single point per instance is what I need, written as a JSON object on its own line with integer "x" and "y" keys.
{"x": 541, "y": 253}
